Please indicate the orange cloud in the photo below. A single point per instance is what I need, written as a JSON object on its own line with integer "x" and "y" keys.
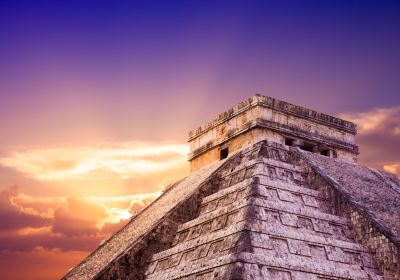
{"x": 392, "y": 168}
{"x": 122, "y": 201}
{"x": 66, "y": 223}
{"x": 121, "y": 207}
{"x": 14, "y": 216}
{"x": 376, "y": 119}
{"x": 378, "y": 137}
{"x": 123, "y": 160}
{"x": 78, "y": 218}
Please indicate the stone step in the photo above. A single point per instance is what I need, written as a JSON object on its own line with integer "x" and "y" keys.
{"x": 288, "y": 265}
{"x": 292, "y": 209}
{"x": 194, "y": 270}
{"x": 217, "y": 220}
{"x": 201, "y": 240}
{"x": 307, "y": 236}
{"x": 277, "y": 173}
{"x": 264, "y": 166}
{"x": 320, "y": 224}
{"x": 271, "y": 150}
{"x": 289, "y": 186}
{"x": 226, "y": 196}
{"x": 273, "y": 190}
{"x": 258, "y": 266}
{"x": 238, "y": 186}
{"x": 249, "y": 196}
{"x": 264, "y": 236}
{"x": 260, "y": 162}
{"x": 284, "y": 165}
{"x": 276, "y": 246}
{"x": 276, "y": 214}
{"x": 242, "y": 166}
{"x": 267, "y": 182}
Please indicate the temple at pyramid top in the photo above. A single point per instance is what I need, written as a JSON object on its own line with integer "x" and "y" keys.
{"x": 261, "y": 117}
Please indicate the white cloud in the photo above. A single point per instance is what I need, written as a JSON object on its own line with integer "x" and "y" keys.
{"x": 123, "y": 160}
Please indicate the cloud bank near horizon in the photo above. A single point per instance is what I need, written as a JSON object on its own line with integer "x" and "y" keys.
{"x": 378, "y": 137}
{"x": 124, "y": 160}
{"x": 100, "y": 188}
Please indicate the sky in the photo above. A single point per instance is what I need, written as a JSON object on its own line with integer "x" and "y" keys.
{"x": 97, "y": 99}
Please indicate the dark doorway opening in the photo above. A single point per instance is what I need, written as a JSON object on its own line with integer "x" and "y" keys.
{"x": 223, "y": 153}
{"x": 307, "y": 147}
{"x": 325, "y": 152}
{"x": 289, "y": 141}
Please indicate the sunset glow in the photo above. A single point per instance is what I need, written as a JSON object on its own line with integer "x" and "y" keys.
{"x": 83, "y": 163}
{"x": 97, "y": 99}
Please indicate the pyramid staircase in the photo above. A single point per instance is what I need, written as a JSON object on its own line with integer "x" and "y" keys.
{"x": 264, "y": 222}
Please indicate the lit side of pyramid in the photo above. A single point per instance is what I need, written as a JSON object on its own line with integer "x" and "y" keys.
{"x": 275, "y": 193}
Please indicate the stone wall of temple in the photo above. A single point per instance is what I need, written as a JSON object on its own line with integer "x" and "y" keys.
{"x": 236, "y": 143}
{"x": 261, "y": 117}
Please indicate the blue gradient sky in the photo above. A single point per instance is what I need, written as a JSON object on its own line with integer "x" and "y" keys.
{"x": 97, "y": 98}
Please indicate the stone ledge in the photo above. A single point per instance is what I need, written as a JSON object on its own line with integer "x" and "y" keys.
{"x": 263, "y": 183}
{"x": 262, "y": 228}
{"x": 323, "y": 268}
{"x": 305, "y": 212}
{"x": 274, "y": 126}
{"x": 267, "y": 182}
{"x": 262, "y": 203}
{"x": 293, "y": 264}
{"x": 239, "y": 186}
{"x": 195, "y": 267}
{"x": 212, "y": 236}
{"x": 284, "y": 165}
{"x": 277, "y": 105}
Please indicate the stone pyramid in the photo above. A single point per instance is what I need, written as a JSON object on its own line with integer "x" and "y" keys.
{"x": 257, "y": 206}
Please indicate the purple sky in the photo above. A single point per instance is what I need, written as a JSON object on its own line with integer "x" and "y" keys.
{"x": 97, "y": 99}
{"x": 122, "y": 70}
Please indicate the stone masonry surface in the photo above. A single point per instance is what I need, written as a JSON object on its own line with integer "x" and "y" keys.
{"x": 278, "y": 105}
{"x": 262, "y": 117}
{"x": 268, "y": 220}
{"x": 370, "y": 198}
{"x": 367, "y": 187}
